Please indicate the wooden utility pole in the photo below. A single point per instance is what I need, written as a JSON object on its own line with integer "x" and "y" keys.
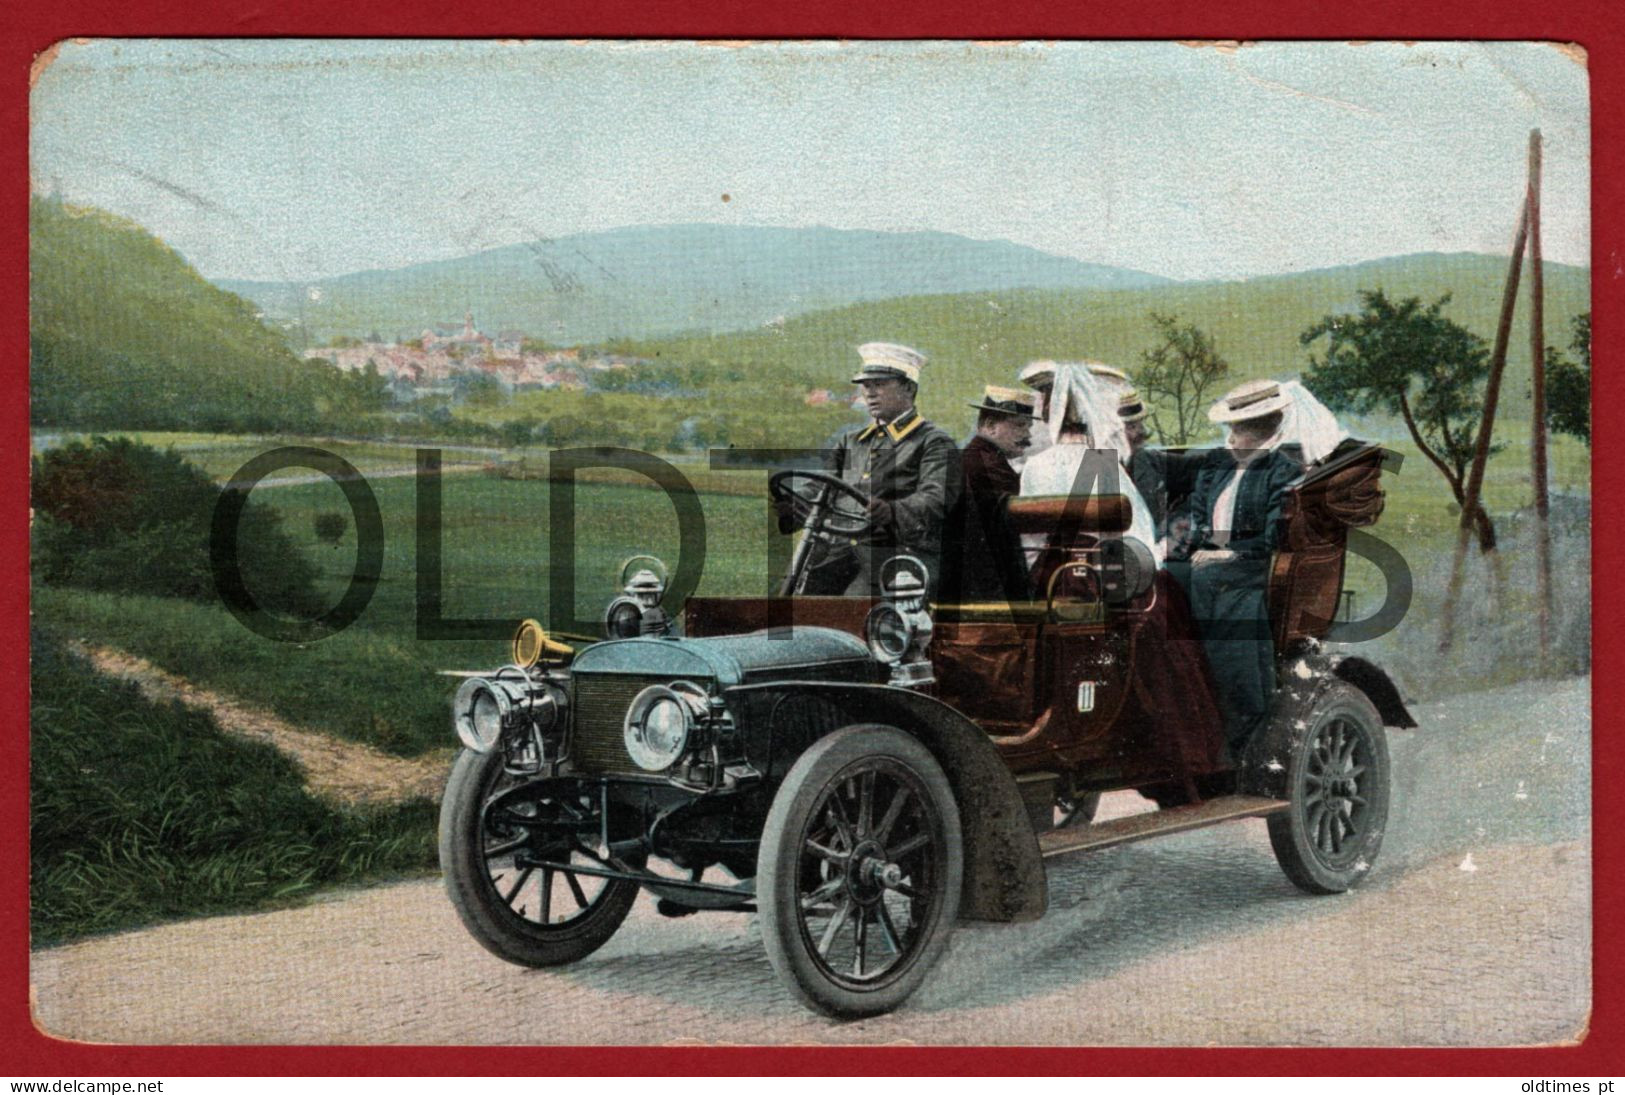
{"x": 1537, "y": 436}
{"x": 1486, "y": 426}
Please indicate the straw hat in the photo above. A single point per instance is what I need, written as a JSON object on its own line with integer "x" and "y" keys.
{"x": 1131, "y": 407}
{"x": 1254, "y": 399}
{"x": 1007, "y": 401}
{"x": 1037, "y": 374}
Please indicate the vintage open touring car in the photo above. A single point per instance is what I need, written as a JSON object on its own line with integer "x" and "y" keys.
{"x": 885, "y": 767}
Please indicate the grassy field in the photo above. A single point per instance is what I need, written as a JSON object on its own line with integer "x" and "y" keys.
{"x": 375, "y": 681}
{"x": 221, "y": 455}
{"x": 142, "y": 812}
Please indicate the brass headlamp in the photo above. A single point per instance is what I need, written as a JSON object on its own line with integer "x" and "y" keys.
{"x": 898, "y": 629}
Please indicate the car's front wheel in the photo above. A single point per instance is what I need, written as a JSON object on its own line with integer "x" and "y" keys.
{"x": 859, "y": 871}
{"x": 496, "y": 831}
{"x": 1337, "y": 778}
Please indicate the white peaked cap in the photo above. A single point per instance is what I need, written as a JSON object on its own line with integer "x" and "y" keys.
{"x": 889, "y": 358}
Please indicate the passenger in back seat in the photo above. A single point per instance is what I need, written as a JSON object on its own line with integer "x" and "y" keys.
{"x": 1171, "y": 684}
{"x": 1235, "y": 513}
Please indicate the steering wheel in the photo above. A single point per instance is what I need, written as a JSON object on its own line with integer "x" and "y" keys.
{"x": 827, "y": 506}
{"x": 824, "y": 504}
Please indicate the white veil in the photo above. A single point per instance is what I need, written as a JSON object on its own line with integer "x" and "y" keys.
{"x": 1096, "y": 402}
{"x": 1095, "y": 399}
{"x": 1307, "y": 422}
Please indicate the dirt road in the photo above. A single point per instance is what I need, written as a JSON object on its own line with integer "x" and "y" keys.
{"x": 1474, "y": 929}
{"x": 346, "y": 772}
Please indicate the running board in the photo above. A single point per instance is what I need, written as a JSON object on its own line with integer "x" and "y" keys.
{"x": 1180, "y": 819}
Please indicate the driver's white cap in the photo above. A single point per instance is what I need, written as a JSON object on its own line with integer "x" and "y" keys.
{"x": 886, "y": 359}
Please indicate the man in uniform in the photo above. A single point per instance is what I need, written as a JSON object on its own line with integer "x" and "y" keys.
{"x": 907, "y": 467}
{"x": 994, "y": 567}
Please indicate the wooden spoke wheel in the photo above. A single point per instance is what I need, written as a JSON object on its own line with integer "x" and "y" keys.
{"x": 496, "y": 833}
{"x": 859, "y": 871}
{"x": 1337, "y": 778}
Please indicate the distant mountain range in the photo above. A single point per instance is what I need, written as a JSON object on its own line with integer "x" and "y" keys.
{"x": 124, "y": 334}
{"x": 654, "y": 281}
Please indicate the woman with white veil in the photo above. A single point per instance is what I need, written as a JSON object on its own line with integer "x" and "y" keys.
{"x": 1172, "y": 684}
{"x": 1082, "y": 417}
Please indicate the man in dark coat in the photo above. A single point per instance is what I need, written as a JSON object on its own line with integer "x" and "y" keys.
{"x": 1235, "y": 509}
{"x": 1163, "y": 478}
{"x": 993, "y": 565}
{"x": 908, "y": 467}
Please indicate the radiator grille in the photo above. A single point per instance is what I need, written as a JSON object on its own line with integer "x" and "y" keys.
{"x": 598, "y": 706}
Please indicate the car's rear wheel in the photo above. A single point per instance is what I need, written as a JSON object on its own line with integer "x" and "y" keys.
{"x": 859, "y": 871}
{"x": 491, "y": 847}
{"x": 1337, "y": 778}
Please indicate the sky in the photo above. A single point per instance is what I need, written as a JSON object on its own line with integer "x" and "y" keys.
{"x": 295, "y": 160}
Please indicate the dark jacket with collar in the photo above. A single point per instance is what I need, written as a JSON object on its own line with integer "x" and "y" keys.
{"x": 1256, "y": 521}
{"x": 1165, "y": 478}
{"x": 912, "y": 466}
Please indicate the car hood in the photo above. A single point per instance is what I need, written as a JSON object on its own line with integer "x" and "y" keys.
{"x": 729, "y": 659}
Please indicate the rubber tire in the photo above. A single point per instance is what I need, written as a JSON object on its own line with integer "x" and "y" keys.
{"x": 487, "y": 917}
{"x": 1289, "y": 835}
{"x": 777, "y": 888}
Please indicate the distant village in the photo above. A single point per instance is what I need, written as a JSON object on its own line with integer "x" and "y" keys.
{"x": 442, "y": 360}
{"x": 443, "y": 357}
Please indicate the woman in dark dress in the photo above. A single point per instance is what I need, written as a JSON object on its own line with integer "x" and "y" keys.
{"x": 1235, "y": 510}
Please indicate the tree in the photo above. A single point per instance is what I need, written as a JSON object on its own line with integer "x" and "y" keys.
{"x": 479, "y": 389}
{"x": 1410, "y": 360}
{"x": 517, "y": 432}
{"x": 1180, "y": 371}
{"x": 1568, "y": 383}
{"x": 371, "y": 390}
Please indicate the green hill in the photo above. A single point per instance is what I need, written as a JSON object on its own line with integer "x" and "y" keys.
{"x": 651, "y": 281}
{"x": 979, "y": 338}
{"x": 123, "y": 333}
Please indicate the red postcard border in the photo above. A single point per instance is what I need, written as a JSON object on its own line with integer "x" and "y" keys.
{"x": 32, "y": 28}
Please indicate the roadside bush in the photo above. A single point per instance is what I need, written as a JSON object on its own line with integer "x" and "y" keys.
{"x": 117, "y": 515}
{"x": 329, "y": 527}
{"x": 140, "y": 811}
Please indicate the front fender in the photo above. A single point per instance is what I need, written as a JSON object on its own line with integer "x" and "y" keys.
{"x": 1004, "y": 873}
